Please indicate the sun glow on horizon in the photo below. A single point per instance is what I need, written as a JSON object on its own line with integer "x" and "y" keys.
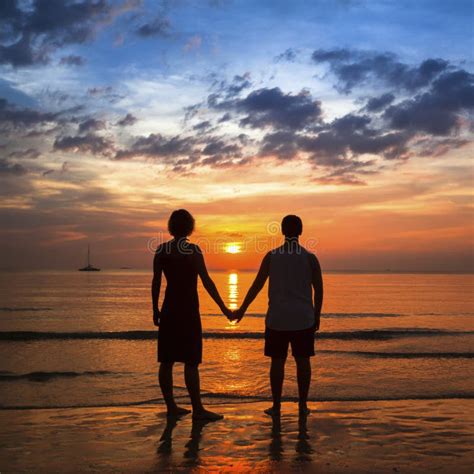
{"x": 232, "y": 247}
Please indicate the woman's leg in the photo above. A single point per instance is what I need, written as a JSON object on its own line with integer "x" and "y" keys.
{"x": 165, "y": 377}
{"x": 191, "y": 377}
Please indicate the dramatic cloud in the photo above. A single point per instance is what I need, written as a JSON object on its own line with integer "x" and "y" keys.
{"x": 272, "y": 107}
{"x": 236, "y": 86}
{"x": 72, "y": 60}
{"x": 127, "y": 121}
{"x": 158, "y": 146}
{"x": 202, "y": 126}
{"x": 30, "y": 153}
{"x": 31, "y": 31}
{"x": 377, "y": 104}
{"x": 12, "y": 117}
{"x": 11, "y": 169}
{"x": 220, "y": 147}
{"x": 437, "y": 110}
{"x": 92, "y": 144}
{"x": 157, "y": 27}
{"x": 338, "y": 145}
{"x": 91, "y": 125}
{"x": 289, "y": 55}
{"x": 354, "y": 68}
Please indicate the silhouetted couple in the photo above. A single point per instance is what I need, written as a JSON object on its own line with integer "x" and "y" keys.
{"x": 292, "y": 318}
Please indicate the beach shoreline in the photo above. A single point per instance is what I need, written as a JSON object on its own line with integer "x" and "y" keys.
{"x": 410, "y": 436}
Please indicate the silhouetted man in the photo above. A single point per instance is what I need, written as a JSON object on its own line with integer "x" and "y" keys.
{"x": 292, "y": 317}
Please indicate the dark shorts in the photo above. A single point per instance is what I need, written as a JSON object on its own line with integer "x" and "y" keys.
{"x": 180, "y": 342}
{"x": 276, "y": 343}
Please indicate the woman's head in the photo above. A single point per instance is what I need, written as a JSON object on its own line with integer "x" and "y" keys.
{"x": 181, "y": 223}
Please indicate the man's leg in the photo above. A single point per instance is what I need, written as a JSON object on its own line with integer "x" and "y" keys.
{"x": 303, "y": 374}
{"x": 277, "y": 374}
{"x": 165, "y": 377}
{"x": 191, "y": 378}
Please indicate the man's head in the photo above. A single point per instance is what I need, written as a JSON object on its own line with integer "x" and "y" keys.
{"x": 181, "y": 223}
{"x": 291, "y": 226}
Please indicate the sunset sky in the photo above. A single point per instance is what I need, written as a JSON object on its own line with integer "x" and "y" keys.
{"x": 355, "y": 115}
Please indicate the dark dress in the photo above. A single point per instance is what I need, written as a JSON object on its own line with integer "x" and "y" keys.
{"x": 180, "y": 332}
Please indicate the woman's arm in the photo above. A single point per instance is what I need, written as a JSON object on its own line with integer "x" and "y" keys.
{"x": 209, "y": 284}
{"x": 155, "y": 289}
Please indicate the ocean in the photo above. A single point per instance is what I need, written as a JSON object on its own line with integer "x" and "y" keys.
{"x": 72, "y": 339}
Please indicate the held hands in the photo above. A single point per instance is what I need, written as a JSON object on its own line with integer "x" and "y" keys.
{"x": 234, "y": 316}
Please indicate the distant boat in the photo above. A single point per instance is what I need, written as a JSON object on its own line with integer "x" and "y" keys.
{"x": 89, "y": 267}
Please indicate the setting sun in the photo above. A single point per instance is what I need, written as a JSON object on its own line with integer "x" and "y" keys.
{"x": 232, "y": 247}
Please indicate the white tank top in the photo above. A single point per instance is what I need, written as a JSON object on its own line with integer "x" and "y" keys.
{"x": 290, "y": 293}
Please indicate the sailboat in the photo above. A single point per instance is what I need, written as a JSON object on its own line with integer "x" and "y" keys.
{"x": 89, "y": 267}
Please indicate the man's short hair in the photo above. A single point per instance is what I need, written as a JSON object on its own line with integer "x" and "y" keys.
{"x": 181, "y": 223}
{"x": 291, "y": 226}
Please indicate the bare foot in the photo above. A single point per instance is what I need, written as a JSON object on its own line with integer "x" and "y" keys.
{"x": 273, "y": 411}
{"x": 177, "y": 411}
{"x": 206, "y": 415}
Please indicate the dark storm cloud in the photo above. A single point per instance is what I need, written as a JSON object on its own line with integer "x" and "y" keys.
{"x": 283, "y": 144}
{"x": 127, "y": 121}
{"x": 156, "y": 145}
{"x": 439, "y": 147}
{"x": 91, "y": 125}
{"x": 224, "y": 89}
{"x": 183, "y": 153}
{"x": 377, "y": 104}
{"x": 72, "y": 60}
{"x": 238, "y": 84}
{"x": 219, "y": 147}
{"x": 104, "y": 92}
{"x": 354, "y": 68}
{"x": 273, "y": 108}
{"x": 31, "y": 31}
{"x": 158, "y": 27}
{"x": 437, "y": 110}
{"x": 29, "y": 153}
{"x": 93, "y": 144}
{"x": 337, "y": 142}
{"x": 289, "y": 56}
{"x": 202, "y": 126}
{"x": 12, "y": 117}
{"x": 11, "y": 169}
{"x": 100, "y": 91}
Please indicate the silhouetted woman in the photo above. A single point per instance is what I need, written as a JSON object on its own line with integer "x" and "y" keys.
{"x": 179, "y": 321}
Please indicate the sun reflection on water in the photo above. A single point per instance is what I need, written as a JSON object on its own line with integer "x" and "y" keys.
{"x": 233, "y": 294}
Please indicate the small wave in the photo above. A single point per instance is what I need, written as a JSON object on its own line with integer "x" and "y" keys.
{"x": 326, "y": 315}
{"x": 8, "y": 309}
{"x": 222, "y": 398}
{"x": 376, "y": 334}
{"x": 404, "y": 355}
{"x": 47, "y": 376}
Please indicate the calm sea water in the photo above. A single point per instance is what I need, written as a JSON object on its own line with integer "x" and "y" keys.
{"x": 79, "y": 339}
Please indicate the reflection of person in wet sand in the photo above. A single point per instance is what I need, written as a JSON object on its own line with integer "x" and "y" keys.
{"x": 292, "y": 317}
{"x": 180, "y": 333}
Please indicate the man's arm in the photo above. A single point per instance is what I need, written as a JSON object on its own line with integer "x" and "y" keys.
{"x": 257, "y": 285}
{"x": 317, "y": 282}
{"x": 155, "y": 288}
{"x": 209, "y": 285}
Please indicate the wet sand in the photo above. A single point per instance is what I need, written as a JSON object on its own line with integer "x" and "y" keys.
{"x": 348, "y": 437}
